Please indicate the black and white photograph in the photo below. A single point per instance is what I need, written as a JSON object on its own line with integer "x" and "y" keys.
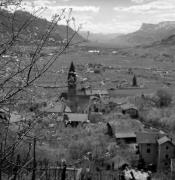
{"x": 87, "y": 89}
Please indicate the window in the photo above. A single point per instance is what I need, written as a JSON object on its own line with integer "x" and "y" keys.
{"x": 148, "y": 150}
{"x": 166, "y": 156}
{"x": 167, "y": 147}
{"x": 148, "y": 144}
{"x": 166, "y": 164}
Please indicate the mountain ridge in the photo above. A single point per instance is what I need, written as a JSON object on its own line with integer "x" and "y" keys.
{"x": 148, "y": 33}
{"x": 35, "y": 30}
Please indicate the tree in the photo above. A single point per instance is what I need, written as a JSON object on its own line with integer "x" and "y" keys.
{"x": 164, "y": 98}
{"x": 134, "y": 81}
{"x": 17, "y": 73}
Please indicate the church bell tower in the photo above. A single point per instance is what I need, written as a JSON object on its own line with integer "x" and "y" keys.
{"x": 72, "y": 80}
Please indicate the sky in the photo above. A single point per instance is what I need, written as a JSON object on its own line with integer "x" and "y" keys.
{"x": 108, "y": 16}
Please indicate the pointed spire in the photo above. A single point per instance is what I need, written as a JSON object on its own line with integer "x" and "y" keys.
{"x": 72, "y": 72}
{"x": 72, "y": 67}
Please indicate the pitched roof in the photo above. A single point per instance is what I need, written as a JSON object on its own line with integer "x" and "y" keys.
{"x": 81, "y": 102}
{"x": 148, "y": 137}
{"x": 118, "y": 160}
{"x": 55, "y": 108}
{"x": 96, "y": 92}
{"x": 163, "y": 140}
{"x": 15, "y": 117}
{"x": 77, "y": 117}
{"x": 128, "y": 106}
{"x": 125, "y": 135}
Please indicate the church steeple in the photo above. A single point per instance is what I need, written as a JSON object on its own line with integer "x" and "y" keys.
{"x": 72, "y": 80}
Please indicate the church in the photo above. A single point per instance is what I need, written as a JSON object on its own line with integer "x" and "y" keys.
{"x": 78, "y": 100}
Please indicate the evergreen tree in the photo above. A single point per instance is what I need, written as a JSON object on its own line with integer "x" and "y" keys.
{"x": 134, "y": 81}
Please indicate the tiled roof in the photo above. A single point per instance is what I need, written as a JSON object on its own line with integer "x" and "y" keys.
{"x": 77, "y": 117}
{"x": 148, "y": 137}
{"x": 55, "y": 108}
{"x": 163, "y": 140}
{"x": 125, "y": 135}
{"x": 128, "y": 106}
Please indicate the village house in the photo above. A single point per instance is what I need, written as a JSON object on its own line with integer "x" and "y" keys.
{"x": 130, "y": 109}
{"x": 166, "y": 152}
{"x": 125, "y": 137}
{"x": 74, "y": 119}
{"x": 155, "y": 149}
{"x": 115, "y": 163}
{"x": 56, "y": 108}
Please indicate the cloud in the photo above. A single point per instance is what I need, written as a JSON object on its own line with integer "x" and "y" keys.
{"x": 55, "y": 5}
{"x": 158, "y": 5}
{"x": 150, "y": 12}
{"x": 140, "y": 1}
{"x": 80, "y": 8}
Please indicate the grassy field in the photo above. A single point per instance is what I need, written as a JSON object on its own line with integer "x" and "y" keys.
{"x": 152, "y": 74}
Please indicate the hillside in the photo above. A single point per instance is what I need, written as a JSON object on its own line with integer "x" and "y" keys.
{"x": 168, "y": 41}
{"x": 148, "y": 33}
{"x": 34, "y": 31}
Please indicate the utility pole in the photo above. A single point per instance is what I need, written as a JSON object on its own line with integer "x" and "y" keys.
{"x": 34, "y": 158}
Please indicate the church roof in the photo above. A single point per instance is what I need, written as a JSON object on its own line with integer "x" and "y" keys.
{"x": 96, "y": 92}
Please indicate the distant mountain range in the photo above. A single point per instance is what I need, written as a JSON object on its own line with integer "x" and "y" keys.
{"x": 148, "y": 34}
{"x": 161, "y": 33}
{"x": 35, "y": 30}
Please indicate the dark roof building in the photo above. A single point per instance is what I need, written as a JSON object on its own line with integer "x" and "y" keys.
{"x": 148, "y": 137}
{"x": 156, "y": 149}
{"x": 77, "y": 117}
{"x": 130, "y": 109}
{"x": 127, "y": 137}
